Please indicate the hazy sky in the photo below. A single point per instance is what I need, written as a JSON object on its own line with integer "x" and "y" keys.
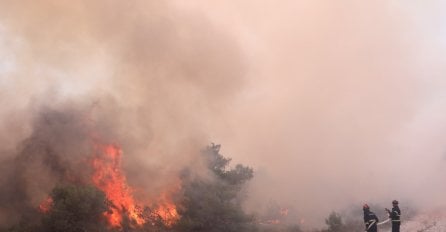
{"x": 335, "y": 103}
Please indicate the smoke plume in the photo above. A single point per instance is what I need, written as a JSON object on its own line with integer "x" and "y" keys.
{"x": 333, "y": 103}
{"x": 143, "y": 75}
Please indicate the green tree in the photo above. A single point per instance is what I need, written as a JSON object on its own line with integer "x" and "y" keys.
{"x": 214, "y": 204}
{"x": 334, "y": 222}
{"x": 76, "y": 209}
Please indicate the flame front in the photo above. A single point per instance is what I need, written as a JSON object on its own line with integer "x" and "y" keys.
{"x": 108, "y": 177}
{"x": 167, "y": 210}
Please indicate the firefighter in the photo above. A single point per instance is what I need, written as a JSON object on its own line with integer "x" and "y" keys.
{"x": 394, "y": 215}
{"x": 370, "y": 219}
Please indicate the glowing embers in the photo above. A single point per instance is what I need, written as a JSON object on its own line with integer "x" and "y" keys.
{"x": 166, "y": 210}
{"x": 46, "y": 205}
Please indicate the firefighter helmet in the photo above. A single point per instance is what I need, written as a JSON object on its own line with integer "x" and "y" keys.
{"x": 395, "y": 202}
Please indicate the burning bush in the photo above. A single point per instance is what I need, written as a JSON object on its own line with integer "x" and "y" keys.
{"x": 67, "y": 177}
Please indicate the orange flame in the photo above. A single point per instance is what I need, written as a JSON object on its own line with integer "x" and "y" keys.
{"x": 109, "y": 178}
{"x": 167, "y": 210}
{"x": 45, "y": 206}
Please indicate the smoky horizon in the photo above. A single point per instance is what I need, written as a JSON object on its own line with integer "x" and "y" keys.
{"x": 332, "y": 104}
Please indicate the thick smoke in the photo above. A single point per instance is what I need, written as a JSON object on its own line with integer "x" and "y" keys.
{"x": 55, "y": 151}
{"x": 344, "y": 103}
{"x": 335, "y": 103}
{"x": 140, "y": 74}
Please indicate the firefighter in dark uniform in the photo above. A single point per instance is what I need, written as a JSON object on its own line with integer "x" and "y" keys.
{"x": 370, "y": 219}
{"x": 394, "y": 215}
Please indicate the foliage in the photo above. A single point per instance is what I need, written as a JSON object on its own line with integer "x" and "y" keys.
{"x": 207, "y": 204}
{"x": 334, "y": 222}
{"x": 280, "y": 228}
{"x": 153, "y": 223}
{"x": 22, "y": 226}
{"x": 76, "y": 209}
{"x": 214, "y": 205}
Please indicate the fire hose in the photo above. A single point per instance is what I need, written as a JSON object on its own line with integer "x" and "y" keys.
{"x": 383, "y": 222}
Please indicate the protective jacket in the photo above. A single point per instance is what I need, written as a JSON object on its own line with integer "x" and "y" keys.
{"x": 395, "y": 215}
{"x": 370, "y": 220}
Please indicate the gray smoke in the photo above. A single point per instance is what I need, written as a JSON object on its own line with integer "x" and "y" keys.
{"x": 336, "y": 103}
{"x": 344, "y": 102}
{"x": 141, "y": 74}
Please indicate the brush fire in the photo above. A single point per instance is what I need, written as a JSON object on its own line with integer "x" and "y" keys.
{"x": 109, "y": 110}
{"x": 109, "y": 177}
{"x": 63, "y": 177}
